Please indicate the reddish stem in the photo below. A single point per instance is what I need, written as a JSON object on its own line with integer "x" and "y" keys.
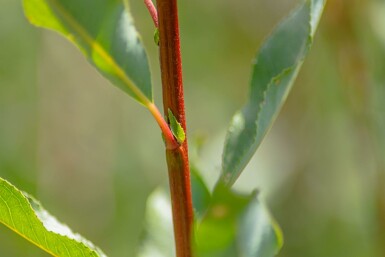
{"x": 169, "y": 138}
{"x": 153, "y": 12}
{"x": 173, "y": 99}
{"x": 181, "y": 199}
{"x": 380, "y": 195}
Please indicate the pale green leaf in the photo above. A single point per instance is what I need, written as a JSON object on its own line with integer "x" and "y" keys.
{"x": 228, "y": 225}
{"x": 259, "y": 235}
{"x": 176, "y": 128}
{"x": 236, "y": 225}
{"x": 104, "y": 31}
{"x": 158, "y": 240}
{"x": 275, "y": 69}
{"x": 26, "y": 217}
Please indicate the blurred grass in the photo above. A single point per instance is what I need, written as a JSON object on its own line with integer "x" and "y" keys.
{"x": 92, "y": 155}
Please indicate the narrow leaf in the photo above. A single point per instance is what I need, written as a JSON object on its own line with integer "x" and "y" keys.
{"x": 236, "y": 225}
{"x": 275, "y": 69}
{"x": 25, "y": 216}
{"x": 176, "y": 128}
{"x": 104, "y": 31}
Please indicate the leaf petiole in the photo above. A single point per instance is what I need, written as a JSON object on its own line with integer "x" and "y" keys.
{"x": 153, "y": 12}
{"x": 171, "y": 142}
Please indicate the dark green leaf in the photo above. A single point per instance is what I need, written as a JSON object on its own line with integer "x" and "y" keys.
{"x": 236, "y": 225}
{"x": 275, "y": 69}
{"x": 104, "y": 31}
{"x": 200, "y": 193}
{"x": 25, "y": 216}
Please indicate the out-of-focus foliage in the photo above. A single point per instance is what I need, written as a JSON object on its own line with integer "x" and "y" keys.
{"x": 233, "y": 224}
{"x": 158, "y": 239}
{"x": 236, "y": 225}
{"x": 321, "y": 168}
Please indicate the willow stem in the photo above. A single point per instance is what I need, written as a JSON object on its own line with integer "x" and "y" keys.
{"x": 173, "y": 99}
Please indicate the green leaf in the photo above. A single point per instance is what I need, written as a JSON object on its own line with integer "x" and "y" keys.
{"x": 104, "y": 31}
{"x": 275, "y": 69}
{"x": 259, "y": 234}
{"x": 200, "y": 193}
{"x": 176, "y": 128}
{"x": 227, "y": 225}
{"x": 159, "y": 235}
{"x": 156, "y": 36}
{"x": 26, "y": 217}
{"x": 236, "y": 225}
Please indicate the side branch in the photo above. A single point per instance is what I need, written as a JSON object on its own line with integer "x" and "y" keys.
{"x": 152, "y": 10}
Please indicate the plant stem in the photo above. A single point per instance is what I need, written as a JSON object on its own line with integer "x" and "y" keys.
{"x": 180, "y": 189}
{"x": 169, "y": 139}
{"x": 380, "y": 202}
{"x": 152, "y": 10}
{"x": 173, "y": 99}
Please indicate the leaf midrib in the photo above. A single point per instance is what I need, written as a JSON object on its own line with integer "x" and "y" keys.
{"x": 29, "y": 239}
{"x": 95, "y": 46}
{"x": 14, "y": 229}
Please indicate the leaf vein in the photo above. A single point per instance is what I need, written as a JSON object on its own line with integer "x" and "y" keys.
{"x": 119, "y": 71}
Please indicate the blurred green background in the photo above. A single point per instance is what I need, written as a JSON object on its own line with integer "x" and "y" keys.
{"x": 92, "y": 155}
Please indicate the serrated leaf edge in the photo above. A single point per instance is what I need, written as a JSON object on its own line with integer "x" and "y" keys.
{"x": 281, "y": 75}
{"x": 86, "y": 244}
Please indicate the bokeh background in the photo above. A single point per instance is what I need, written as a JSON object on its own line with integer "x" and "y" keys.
{"x": 92, "y": 155}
